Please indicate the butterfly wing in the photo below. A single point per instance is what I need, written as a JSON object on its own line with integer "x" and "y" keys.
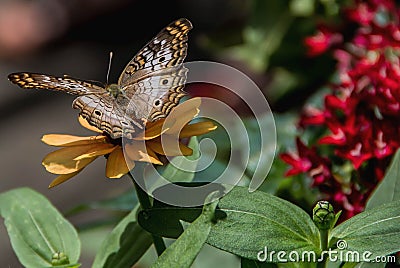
{"x": 104, "y": 113}
{"x": 167, "y": 49}
{"x": 153, "y": 80}
{"x": 66, "y": 84}
{"x": 153, "y": 97}
{"x": 94, "y": 102}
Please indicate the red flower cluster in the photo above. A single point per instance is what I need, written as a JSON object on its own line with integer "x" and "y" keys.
{"x": 362, "y": 115}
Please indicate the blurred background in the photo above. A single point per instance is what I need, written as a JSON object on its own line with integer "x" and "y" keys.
{"x": 263, "y": 39}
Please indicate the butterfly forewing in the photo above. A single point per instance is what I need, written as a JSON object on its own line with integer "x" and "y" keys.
{"x": 167, "y": 49}
{"x": 94, "y": 102}
{"x": 66, "y": 84}
{"x": 153, "y": 80}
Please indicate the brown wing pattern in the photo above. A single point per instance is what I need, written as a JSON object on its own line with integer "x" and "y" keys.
{"x": 94, "y": 102}
{"x": 66, "y": 84}
{"x": 103, "y": 113}
{"x": 153, "y": 97}
{"x": 167, "y": 49}
{"x": 153, "y": 80}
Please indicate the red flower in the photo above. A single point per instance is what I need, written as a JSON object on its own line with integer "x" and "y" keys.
{"x": 312, "y": 116}
{"x": 321, "y": 41}
{"x": 352, "y": 203}
{"x": 357, "y": 153}
{"x": 307, "y": 160}
{"x": 363, "y": 13}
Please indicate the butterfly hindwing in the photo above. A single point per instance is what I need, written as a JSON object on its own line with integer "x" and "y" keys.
{"x": 103, "y": 113}
{"x": 153, "y": 97}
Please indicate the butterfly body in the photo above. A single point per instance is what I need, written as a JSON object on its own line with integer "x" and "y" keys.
{"x": 114, "y": 90}
{"x": 149, "y": 87}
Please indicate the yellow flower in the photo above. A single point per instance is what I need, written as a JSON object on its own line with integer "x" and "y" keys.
{"x": 78, "y": 152}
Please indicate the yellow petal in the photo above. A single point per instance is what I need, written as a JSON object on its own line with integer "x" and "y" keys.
{"x": 70, "y": 140}
{"x": 153, "y": 156}
{"x": 137, "y": 151}
{"x": 197, "y": 129}
{"x": 153, "y": 130}
{"x": 155, "y": 124}
{"x": 150, "y": 157}
{"x": 62, "y": 178}
{"x": 116, "y": 165}
{"x": 172, "y": 147}
{"x": 100, "y": 149}
{"x": 86, "y": 124}
{"x": 182, "y": 114}
{"x": 179, "y": 116}
{"x": 62, "y": 161}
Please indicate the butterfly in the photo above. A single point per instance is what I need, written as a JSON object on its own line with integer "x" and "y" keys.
{"x": 149, "y": 87}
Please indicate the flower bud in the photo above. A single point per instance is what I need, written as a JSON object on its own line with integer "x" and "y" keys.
{"x": 324, "y": 215}
{"x": 59, "y": 258}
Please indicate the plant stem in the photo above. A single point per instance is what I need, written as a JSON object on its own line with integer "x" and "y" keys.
{"x": 324, "y": 246}
{"x": 324, "y": 239}
{"x": 145, "y": 203}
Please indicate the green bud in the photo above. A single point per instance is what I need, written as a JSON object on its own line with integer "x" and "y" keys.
{"x": 324, "y": 215}
{"x": 59, "y": 258}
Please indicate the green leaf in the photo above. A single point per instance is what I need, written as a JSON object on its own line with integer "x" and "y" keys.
{"x": 338, "y": 264}
{"x": 391, "y": 173}
{"x": 36, "y": 229}
{"x": 337, "y": 216}
{"x": 348, "y": 265}
{"x": 369, "y": 265}
{"x": 376, "y": 230}
{"x": 246, "y": 263}
{"x": 389, "y": 188}
{"x": 125, "y": 245}
{"x": 297, "y": 265}
{"x": 185, "y": 249}
{"x": 258, "y": 220}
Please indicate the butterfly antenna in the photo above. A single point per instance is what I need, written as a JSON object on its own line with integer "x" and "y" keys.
{"x": 109, "y": 66}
